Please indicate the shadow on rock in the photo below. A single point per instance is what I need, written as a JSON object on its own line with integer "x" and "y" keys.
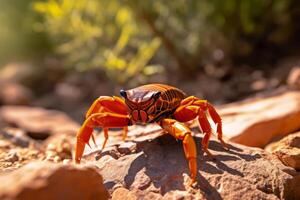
{"x": 160, "y": 166}
{"x": 163, "y": 162}
{"x": 210, "y": 192}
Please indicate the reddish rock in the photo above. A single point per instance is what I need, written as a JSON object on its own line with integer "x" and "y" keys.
{"x": 136, "y": 133}
{"x": 294, "y": 78}
{"x": 16, "y": 136}
{"x": 159, "y": 168}
{"x": 123, "y": 193}
{"x": 15, "y": 94}
{"x": 59, "y": 147}
{"x": 287, "y": 150}
{"x": 14, "y": 157}
{"x": 127, "y": 147}
{"x": 69, "y": 95}
{"x": 42, "y": 180}
{"x": 16, "y": 72}
{"x": 38, "y": 122}
{"x": 256, "y": 122}
{"x": 5, "y": 144}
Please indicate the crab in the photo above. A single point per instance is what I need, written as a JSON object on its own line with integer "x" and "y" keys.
{"x": 165, "y": 105}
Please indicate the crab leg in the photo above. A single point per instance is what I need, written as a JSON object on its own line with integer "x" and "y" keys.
{"x": 217, "y": 119}
{"x": 107, "y": 104}
{"x": 205, "y": 106}
{"x": 192, "y": 107}
{"x": 104, "y": 120}
{"x": 105, "y": 130}
{"x": 180, "y": 131}
{"x": 204, "y": 123}
{"x": 125, "y": 131}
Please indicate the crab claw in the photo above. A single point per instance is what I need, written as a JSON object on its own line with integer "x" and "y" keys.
{"x": 83, "y": 138}
{"x": 104, "y": 120}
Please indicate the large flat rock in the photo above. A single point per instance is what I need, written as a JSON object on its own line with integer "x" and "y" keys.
{"x": 38, "y": 122}
{"x": 258, "y": 121}
{"x": 287, "y": 150}
{"x": 157, "y": 169}
{"x": 44, "y": 180}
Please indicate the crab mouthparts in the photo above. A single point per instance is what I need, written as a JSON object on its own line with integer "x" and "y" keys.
{"x": 139, "y": 116}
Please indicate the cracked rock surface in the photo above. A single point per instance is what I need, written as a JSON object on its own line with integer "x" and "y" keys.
{"x": 148, "y": 165}
{"x": 157, "y": 169}
{"x": 287, "y": 150}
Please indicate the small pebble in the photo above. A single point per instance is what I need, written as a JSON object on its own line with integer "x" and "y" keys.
{"x": 4, "y": 144}
{"x": 12, "y": 157}
{"x": 127, "y": 147}
{"x": 51, "y": 147}
{"x": 56, "y": 159}
{"x": 67, "y": 161}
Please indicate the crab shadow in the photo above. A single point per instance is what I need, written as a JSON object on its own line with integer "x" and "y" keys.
{"x": 163, "y": 161}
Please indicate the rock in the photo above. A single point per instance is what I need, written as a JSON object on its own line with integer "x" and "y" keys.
{"x": 59, "y": 147}
{"x": 259, "y": 85}
{"x": 69, "y": 95}
{"x": 16, "y": 72}
{"x": 4, "y": 144}
{"x": 15, "y": 157}
{"x": 294, "y": 78}
{"x": 16, "y": 136}
{"x": 159, "y": 168}
{"x": 136, "y": 133}
{"x": 283, "y": 68}
{"x": 256, "y": 122}
{"x": 123, "y": 193}
{"x": 39, "y": 123}
{"x": 127, "y": 147}
{"x": 42, "y": 180}
{"x": 12, "y": 157}
{"x": 15, "y": 94}
{"x": 287, "y": 150}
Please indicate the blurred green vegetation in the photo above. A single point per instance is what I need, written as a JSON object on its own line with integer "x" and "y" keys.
{"x": 93, "y": 34}
{"x": 131, "y": 40}
{"x": 18, "y": 38}
{"x": 207, "y": 31}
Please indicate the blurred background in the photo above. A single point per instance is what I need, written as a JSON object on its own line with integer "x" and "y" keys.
{"x": 63, "y": 54}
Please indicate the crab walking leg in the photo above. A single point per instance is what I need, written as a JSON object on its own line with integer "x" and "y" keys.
{"x": 125, "y": 131}
{"x": 104, "y": 120}
{"x": 217, "y": 119}
{"x": 191, "y": 107}
{"x": 187, "y": 113}
{"x": 206, "y": 106}
{"x": 107, "y": 104}
{"x": 180, "y": 131}
{"x": 205, "y": 126}
{"x": 105, "y": 130}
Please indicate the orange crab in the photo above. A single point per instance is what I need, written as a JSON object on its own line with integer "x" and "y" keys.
{"x": 153, "y": 103}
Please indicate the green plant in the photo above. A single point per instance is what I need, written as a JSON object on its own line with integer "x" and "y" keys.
{"x": 18, "y": 41}
{"x": 125, "y": 37}
{"x": 92, "y": 34}
{"x": 192, "y": 31}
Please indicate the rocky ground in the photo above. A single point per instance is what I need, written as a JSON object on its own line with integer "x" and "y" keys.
{"x": 37, "y": 148}
{"x": 37, "y": 141}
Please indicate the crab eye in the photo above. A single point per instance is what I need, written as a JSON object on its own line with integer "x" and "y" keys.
{"x": 123, "y": 93}
{"x": 156, "y": 95}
